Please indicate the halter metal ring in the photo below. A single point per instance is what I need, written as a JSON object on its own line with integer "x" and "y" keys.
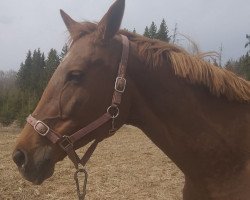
{"x": 114, "y": 111}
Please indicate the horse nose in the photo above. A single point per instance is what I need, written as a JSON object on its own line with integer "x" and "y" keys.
{"x": 19, "y": 158}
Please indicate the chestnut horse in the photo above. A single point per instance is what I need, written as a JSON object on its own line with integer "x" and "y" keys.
{"x": 196, "y": 113}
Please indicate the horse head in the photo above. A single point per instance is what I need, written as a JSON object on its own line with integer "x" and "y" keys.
{"x": 79, "y": 91}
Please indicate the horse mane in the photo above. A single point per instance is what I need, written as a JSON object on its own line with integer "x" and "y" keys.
{"x": 195, "y": 70}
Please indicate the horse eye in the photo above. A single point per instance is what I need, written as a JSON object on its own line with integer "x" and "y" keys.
{"x": 75, "y": 76}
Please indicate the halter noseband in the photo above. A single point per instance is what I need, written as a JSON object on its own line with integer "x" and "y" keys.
{"x": 67, "y": 142}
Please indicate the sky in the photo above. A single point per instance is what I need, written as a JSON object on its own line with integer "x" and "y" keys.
{"x": 31, "y": 24}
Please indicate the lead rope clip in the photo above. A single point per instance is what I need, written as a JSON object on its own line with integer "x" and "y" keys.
{"x": 81, "y": 195}
{"x": 113, "y": 129}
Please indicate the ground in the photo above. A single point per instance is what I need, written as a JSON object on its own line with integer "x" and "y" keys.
{"x": 125, "y": 166}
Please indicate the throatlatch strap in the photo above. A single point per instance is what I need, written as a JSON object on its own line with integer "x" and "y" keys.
{"x": 91, "y": 127}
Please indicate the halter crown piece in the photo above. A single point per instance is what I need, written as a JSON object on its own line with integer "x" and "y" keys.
{"x": 67, "y": 142}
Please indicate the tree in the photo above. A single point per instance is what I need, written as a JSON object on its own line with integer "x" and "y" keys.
{"x": 248, "y": 43}
{"x": 30, "y": 81}
{"x": 146, "y": 32}
{"x": 64, "y": 52}
{"x": 241, "y": 66}
{"x": 37, "y": 73}
{"x": 134, "y": 31}
{"x": 24, "y": 73}
{"x": 51, "y": 64}
{"x": 20, "y": 92}
{"x": 174, "y": 37}
{"x": 9, "y": 97}
{"x": 162, "y": 33}
{"x": 245, "y": 64}
{"x": 153, "y": 31}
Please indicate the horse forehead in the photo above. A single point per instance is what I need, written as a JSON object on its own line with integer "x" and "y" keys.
{"x": 76, "y": 56}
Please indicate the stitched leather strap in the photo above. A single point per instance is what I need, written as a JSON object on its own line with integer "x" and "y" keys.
{"x": 120, "y": 83}
{"x": 91, "y": 127}
{"x": 43, "y": 129}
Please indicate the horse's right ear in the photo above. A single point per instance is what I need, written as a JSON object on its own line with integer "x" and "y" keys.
{"x": 73, "y": 27}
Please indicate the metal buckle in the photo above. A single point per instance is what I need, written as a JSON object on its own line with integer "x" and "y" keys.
{"x": 114, "y": 111}
{"x": 66, "y": 142}
{"x": 122, "y": 86}
{"x": 39, "y": 131}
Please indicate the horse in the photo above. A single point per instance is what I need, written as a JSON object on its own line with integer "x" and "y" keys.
{"x": 196, "y": 113}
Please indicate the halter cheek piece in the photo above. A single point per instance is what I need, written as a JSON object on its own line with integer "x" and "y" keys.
{"x": 67, "y": 142}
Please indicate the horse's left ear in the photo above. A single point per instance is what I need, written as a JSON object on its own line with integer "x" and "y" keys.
{"x": 111, "y": 22}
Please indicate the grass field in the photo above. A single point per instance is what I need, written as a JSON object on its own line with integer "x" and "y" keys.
{"x": 125, "y": 166}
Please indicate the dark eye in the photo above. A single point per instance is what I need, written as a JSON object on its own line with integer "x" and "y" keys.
{"x": 75, "y": 76}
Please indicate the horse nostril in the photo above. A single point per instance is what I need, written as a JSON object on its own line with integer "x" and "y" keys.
{"x": 19, "y": 158}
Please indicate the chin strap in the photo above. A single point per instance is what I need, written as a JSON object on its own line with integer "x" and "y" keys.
{"x": 67, "y": 142}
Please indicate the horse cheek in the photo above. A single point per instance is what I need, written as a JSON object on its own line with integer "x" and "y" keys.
{"x": 76, "y": 103}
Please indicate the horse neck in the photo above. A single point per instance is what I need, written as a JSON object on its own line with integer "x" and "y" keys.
{"x": 147, "y": 91}
{"x": 175, "y": 114}
{"x": 198, "y": 131}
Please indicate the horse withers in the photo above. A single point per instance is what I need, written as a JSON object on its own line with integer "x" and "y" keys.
{"x": 196, "y": 113}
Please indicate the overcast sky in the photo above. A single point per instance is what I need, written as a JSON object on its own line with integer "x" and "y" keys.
{"x": 32, "y": 24}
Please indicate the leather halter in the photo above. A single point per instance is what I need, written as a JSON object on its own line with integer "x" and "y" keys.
{"x": 67, "y": 142}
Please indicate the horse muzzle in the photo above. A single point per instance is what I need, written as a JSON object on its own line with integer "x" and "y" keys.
{"x": 37, "y": 169}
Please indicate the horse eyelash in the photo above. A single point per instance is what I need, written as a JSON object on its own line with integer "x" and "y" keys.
{"x": 75, "y": 76}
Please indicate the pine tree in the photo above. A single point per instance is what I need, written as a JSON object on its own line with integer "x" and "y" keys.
{"x": 248, "y": 43}
{"x": 63, "y": 52}
{"x": 52, "y": 62}
{"x": 30, "y": 80}
{"x": 37, "y": 73}
{"x": 245, "y": 64}
{"x": 146, "y": 32}
{"x": 162, "y": 33}
{"x": 153, "y": 31}
{"x": 241, "y": 66}
{"x": 24, "y": 73}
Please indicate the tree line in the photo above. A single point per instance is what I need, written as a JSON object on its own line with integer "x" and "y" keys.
{"x": 241, "y": 66}
{"x": 20, "y": 91}
{"x": 154, "y": 33}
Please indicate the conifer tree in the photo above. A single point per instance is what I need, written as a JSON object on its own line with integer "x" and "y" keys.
{"x": 248, "y": 43}
{"x": 153, "y": 31}
{"x": 162, "y": 33}
{"x": 52, "y": 63}
{"x": 24, "y": 73}
{"x": 146, "y": 32}
{"x": 63, "y": 52}
{"x": 37, "y": 73}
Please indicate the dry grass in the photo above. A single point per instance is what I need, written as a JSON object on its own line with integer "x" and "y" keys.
{"x": 125, "y": 166}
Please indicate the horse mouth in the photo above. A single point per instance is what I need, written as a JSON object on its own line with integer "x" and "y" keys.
{"x": 37, "y": 174}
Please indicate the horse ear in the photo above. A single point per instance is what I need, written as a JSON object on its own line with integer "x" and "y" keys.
{"x": 73, "y": 27}
{"x": 111, "y": 22}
